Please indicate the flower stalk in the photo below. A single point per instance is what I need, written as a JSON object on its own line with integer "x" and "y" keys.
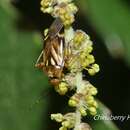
{"x": 66, "y": 62}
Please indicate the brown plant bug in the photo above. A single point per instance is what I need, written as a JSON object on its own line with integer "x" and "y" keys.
{"x": 51, "y": 59}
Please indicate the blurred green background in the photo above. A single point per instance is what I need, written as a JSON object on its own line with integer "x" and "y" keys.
{"x": 26, "y": 99}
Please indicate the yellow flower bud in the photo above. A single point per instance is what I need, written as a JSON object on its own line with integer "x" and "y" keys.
{"x": 66, "y": 124}
{"x": 91, "y": 72}
{"x": 62, "y": 11}
{"x": 57, "y": 117}
{"x": 62, "y": 128}
{"x": 92, "y": 110}
{"x": 91, "y": 59}
{"x": 62, "y": 88}
{"x": 93, "y": 91}
{"x": 72, "y": 103}
{"x": 79, "y": 37}
{"x": 89, "y": 100}
{"x": 88, "y": 49}
{"x": 72, "y": 7}
{"x": 96, "y": 67}
{"x": 45, "y": 32}
{"x": 83, "y": 111}
{"x": 83, "y": 55}
{"x": 95, "y": 104}
{"x": 85, "y": 63}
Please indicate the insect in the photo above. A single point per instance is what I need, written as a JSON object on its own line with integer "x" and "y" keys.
{"x": 51, "y": 59}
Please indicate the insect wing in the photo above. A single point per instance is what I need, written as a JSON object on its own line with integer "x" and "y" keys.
{"x": 53, "y": 52}
{"x": 55, "y": 28}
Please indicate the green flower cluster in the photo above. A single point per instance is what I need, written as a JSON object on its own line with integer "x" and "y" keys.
{"x": 77, "y": 56}
{"x": 80, "y": 57}
{"x": 68, "y": 121}
{"x": 64, "y": 9}
{"x": 84, "y": 100}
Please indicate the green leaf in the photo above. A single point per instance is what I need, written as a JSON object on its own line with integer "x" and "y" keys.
{"x": 111, "y": 18}
{"x": 21, "y": 84}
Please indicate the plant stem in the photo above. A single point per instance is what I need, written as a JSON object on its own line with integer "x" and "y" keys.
{"x": 78, "y": 114}
{"x": 69, "y": 34}
{"x": 78, "y": 120}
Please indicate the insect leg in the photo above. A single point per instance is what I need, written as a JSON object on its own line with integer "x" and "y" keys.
{"x": 39, "y": 63}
